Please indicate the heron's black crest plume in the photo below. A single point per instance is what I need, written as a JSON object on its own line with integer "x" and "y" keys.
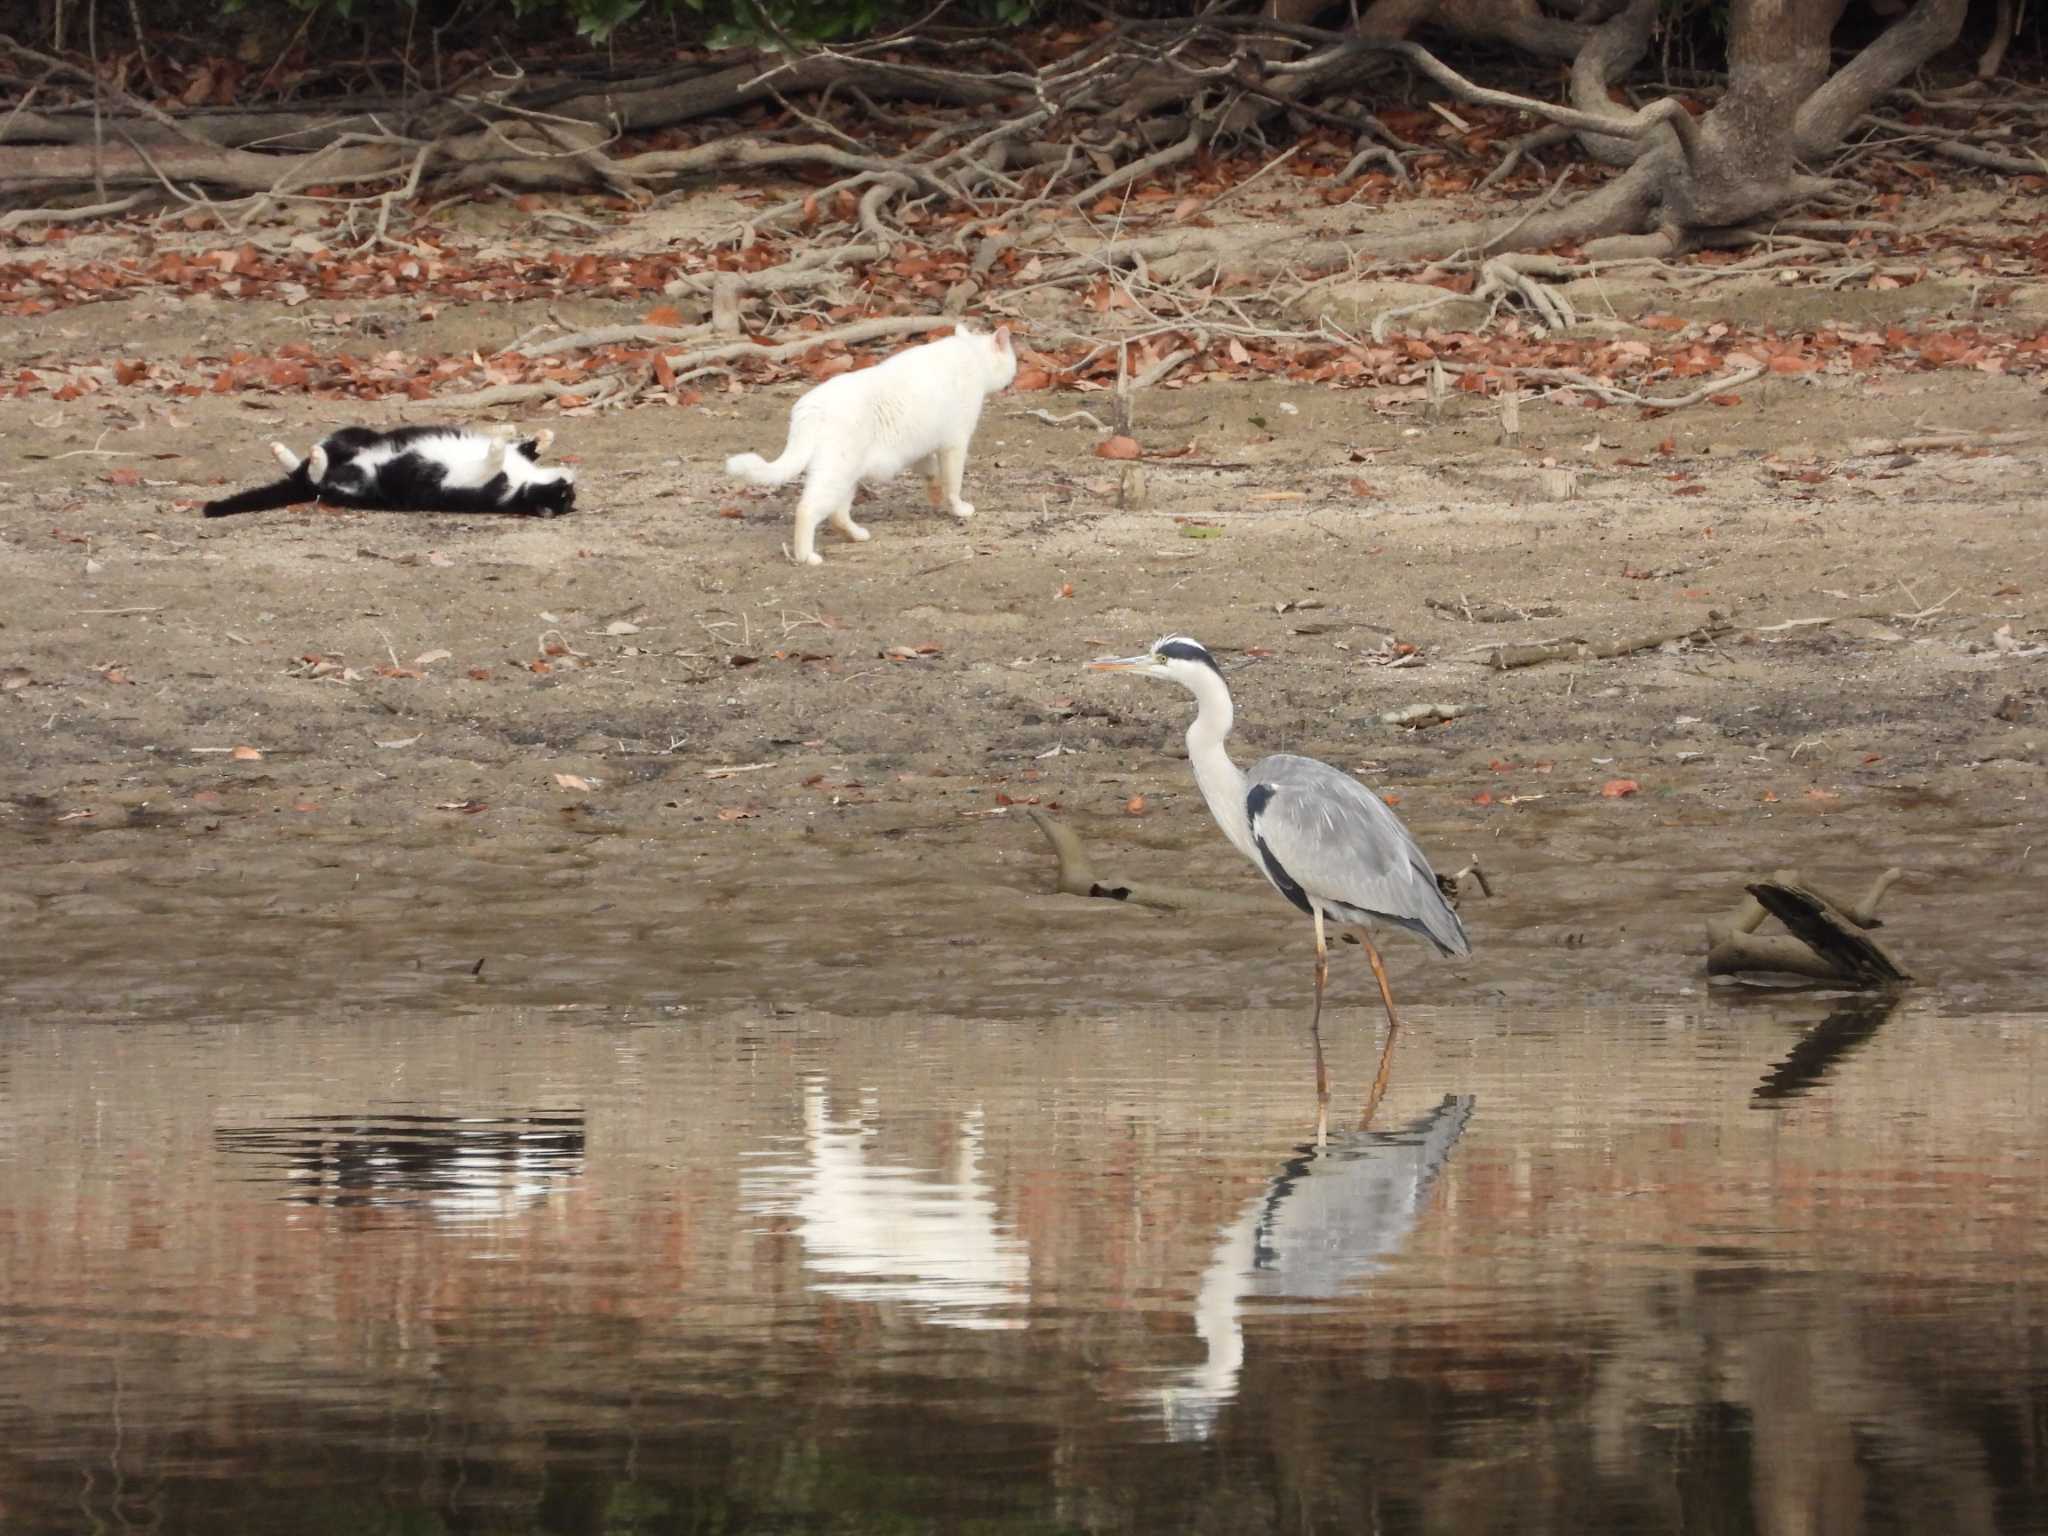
{"x": 1181, "y": 648}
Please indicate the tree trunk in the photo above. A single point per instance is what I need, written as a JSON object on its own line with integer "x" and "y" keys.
{"x": 1778, "y": 54}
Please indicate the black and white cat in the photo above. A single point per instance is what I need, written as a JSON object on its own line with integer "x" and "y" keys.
{"x": 416, "y": 469}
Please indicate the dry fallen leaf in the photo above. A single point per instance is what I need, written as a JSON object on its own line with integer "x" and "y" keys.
{"x": 1135, "y": 806}
{"x": 738, "y": 812}
{"x": 1118, "y": 447}
{"x": 467, "y": 807}
{"x": 428, "y": 658}
{"x": 1615, "y": 789}
{"x": 246, "y": 755}
{"x": 574, "y": 781}
{"x": 1770, "y": 797}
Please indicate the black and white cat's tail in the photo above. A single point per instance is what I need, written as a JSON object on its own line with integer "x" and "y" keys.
{"x": 297, "y": 486}
{"x": 796, "y": 457}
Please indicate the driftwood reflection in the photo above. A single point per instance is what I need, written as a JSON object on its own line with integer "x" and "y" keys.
{"x": 1332, "y": 1215}
{"x": 1821, "y": 1047}
{"x": 875, "y": 1230}
{"x": 457, "y": 1167}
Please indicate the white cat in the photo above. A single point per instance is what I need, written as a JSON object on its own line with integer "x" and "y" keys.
{"x": 920, "y": 405}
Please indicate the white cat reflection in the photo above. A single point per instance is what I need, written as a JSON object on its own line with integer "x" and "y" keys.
{"x": 877, "y": 1231}
{"x": 1330, "y": 1217}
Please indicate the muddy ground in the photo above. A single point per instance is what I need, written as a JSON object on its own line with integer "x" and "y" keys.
{"x": 191, "y": 702}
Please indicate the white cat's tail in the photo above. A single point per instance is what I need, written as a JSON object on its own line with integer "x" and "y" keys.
{"x": 796, "y": 457}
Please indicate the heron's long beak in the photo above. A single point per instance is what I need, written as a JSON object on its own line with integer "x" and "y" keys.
{"x": 1118, "y": 663}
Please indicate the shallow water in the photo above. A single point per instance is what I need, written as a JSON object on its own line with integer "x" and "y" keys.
{"x": 1700, "y": 1267}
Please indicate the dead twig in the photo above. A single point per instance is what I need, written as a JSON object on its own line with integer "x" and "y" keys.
{"x": 1505, "y": 658}
{"x": 16, "y": 218}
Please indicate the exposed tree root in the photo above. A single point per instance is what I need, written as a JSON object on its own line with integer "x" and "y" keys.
{"x": 1032, "y": 170}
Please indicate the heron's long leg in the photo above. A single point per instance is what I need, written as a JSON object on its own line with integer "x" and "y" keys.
{"x": 1386, "y": 1067}
{"x": 1315, "y": 1033}
{"x": 1379, "y": 973}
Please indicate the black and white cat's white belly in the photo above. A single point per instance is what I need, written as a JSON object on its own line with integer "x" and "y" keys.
{"x": 467, "y": 460}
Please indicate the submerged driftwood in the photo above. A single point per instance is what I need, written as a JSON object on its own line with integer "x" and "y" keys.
{"x": 1826, "y": 940}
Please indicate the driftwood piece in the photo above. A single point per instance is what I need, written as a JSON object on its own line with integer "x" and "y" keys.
{"x": 1826, "y": 941}
{"x": 1077, "y": 876}
{"x": 1505, "y": 658}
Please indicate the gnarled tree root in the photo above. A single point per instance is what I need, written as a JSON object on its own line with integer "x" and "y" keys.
{"x": 1826, "y": 941}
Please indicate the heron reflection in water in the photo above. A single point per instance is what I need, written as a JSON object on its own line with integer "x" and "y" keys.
{"x": 880, "y": 1231}
{"x": 1328, "y": 844}
{"x": 1334, "y": 1214}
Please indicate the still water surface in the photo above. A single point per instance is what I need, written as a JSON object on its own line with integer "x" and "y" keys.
{"x": 1696, "y": 1266}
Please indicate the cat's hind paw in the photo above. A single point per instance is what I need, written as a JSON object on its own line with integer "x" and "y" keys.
{"x": 857, "y": 533}
{"x": 963, "y": 510}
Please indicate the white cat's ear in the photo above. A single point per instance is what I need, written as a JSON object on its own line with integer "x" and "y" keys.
{"x": 960, "y": 329}
{"x": 1002, "y": 338}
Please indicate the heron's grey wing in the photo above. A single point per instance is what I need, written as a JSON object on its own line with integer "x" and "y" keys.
{"x": 1340, "y": 845}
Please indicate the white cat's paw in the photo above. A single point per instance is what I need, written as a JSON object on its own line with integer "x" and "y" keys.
{"x": 543, "y": 440}
{"x": 858, "y": 534}
{"x": 963, "y": 510}
{"x": 814, "y": 559}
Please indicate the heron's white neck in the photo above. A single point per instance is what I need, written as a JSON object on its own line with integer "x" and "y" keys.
{"x": 1218, "y": 778}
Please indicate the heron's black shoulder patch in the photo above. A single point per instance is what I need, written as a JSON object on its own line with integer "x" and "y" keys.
{"x": 1182, "y": 649}
{"x": 1256, "y": 799}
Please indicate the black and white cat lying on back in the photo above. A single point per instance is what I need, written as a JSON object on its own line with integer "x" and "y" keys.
{"x": 416, "y": 469}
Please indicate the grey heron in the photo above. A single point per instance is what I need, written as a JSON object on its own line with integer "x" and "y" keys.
{"x": 1327, "y": 843}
